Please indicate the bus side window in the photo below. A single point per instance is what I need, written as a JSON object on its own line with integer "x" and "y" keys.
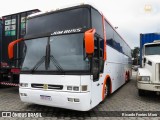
{"x": 95, "y": 62}
{"x": 101, "y": 61}
{"x": 96, "y": 48}
{"x": 98, "y": 53}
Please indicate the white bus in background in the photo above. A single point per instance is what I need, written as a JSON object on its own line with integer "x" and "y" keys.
{"x": 73, "y": 59}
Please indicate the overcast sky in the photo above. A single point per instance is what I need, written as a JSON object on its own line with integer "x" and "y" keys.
{"x": 128, "y": 15}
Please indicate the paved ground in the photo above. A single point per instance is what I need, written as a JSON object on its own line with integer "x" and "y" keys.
{"x": 124, "y": 99}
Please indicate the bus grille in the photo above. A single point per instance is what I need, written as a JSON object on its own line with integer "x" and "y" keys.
{"x": 55, "y": 87}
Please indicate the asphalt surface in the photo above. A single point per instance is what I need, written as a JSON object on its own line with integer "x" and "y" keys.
{"x": 124, "y": 101}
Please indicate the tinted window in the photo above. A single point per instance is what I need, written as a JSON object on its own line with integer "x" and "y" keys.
{"x": 66, "y": 53}
{"x": 152, "y": 49}
{"x": 115, "y": 41}
{"x": 97, "y": 22}
{"x": 34, "y": 54}
{"x": 58, "y": 21}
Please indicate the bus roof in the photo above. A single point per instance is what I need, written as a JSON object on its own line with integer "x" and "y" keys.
{"x": 72, "y": 7}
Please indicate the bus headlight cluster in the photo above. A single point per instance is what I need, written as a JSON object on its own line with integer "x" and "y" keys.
{"x": 23, "y": 94}
{"x": 73, "y": 99}
{"x": 145, "y": 78}
{"x": 73, "y": 88}
{"x": 23, "y": 84}
{"x": 69, "y": 87}
{"x": 77, "y": 88}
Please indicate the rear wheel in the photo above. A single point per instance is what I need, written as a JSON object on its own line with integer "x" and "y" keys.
{"x": 141, "y": 92}
{"x": 127, "y": 77}
{"x": 1, "y": 80}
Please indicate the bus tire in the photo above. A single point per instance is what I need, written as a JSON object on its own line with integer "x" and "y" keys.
{"x": 107, "y": 89}
{"x": 129, "y": 76}
{"x": 141, "y": 92}
{"x": 1, "y": 79}
{"x": 126, "y": 77}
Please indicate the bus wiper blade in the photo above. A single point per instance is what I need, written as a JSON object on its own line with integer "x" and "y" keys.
{"x": 58, "y": 66}
{"x": 38, "y": 64}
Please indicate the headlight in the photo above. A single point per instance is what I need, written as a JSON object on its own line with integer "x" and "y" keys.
{"x": 83, "y": 88}
{"x": 75, "y": 88}
{"x": 23, "y": 84}
{"x": 145, "y": 78}
{"x": 69, "y": 87}
{"x": 23, "y": 94}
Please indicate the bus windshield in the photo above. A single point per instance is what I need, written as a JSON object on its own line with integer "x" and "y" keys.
{"x": 66, "y": 53}
{"x": 153, "y": 49}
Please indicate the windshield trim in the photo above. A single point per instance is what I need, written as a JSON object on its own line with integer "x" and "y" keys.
{"x": 83, "y": 72}
{"x": 62, "y": 10}
{"x": 29, "y": 37}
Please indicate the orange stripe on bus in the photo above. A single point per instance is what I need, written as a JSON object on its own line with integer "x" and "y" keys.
{"x": 104, "y": 33}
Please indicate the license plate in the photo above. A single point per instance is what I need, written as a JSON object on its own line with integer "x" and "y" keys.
{"x": 44, "y": 97}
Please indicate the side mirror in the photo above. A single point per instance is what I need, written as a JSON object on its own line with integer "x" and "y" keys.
{"x": 11, "y": 46}
{"x": 89, "y": 42}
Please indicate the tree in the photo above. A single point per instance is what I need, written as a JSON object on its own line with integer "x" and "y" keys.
{"x": 135, "y": 55}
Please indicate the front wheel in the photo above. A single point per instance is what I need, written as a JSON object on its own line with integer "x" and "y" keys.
{"x": 106, "y": 90}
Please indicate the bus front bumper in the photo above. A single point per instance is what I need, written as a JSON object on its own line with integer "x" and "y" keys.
{"x": 148, "y": 86}
{"x": 69, "y": 100}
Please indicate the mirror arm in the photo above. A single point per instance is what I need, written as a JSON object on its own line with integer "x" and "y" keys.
{"x": 11, "y": 46}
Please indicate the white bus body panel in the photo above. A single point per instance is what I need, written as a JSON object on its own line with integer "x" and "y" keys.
{"x": 115, "y": 67}
{"x": 59, "y": 97}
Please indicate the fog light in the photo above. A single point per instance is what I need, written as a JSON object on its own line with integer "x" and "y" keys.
{"x": 76, "y": 88}
{"x": 84, "y": 87}
{"x": 69, "y": 87}
{"x": 23, "y": 94}
{"x": 70, "y": 99}
{"x": 76, "y": 100}
{"x": 23, "y": 84}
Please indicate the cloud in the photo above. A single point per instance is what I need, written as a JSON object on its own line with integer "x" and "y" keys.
{"x": 131, "y": 18}
{"x": 128, "y": 15}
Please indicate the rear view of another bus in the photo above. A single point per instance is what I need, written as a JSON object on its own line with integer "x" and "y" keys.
{"x": 13, "y": 27}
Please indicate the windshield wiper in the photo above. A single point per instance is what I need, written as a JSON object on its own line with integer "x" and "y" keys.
{"x": 54, "y": 61}
{"x": 47, "y": 59}
{"x": 38, "y": 64}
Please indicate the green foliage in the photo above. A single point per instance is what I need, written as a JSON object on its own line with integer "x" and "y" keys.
{"x": 135, "y": 55}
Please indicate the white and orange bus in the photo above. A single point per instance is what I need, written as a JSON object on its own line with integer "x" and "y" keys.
{"x": 73, "y": 58}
